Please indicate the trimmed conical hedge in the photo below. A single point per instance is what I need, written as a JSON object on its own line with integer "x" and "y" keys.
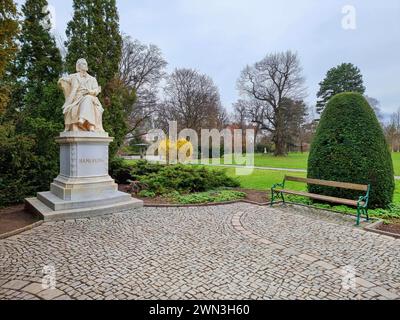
{"x": 349, "y": 146}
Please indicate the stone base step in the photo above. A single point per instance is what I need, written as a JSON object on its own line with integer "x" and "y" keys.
{"x": 99, "y": 200}
{"x": 47, "y": 214}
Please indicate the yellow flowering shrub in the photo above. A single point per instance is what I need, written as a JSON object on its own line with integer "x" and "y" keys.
{"x": 182, "y": 148}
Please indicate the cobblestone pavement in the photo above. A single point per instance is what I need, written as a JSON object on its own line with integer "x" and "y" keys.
{"x": 238, "y": 251}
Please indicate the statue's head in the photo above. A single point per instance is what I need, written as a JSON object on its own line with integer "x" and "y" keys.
{"x": 82, "y": 65}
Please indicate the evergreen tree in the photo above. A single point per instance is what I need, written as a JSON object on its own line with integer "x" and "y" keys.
{"x": 8, "y": 32}
{"x": 350, "y": 146}
{"x": 343, "y": 78}
{"x": 30, "y": 155}
{"x": 93, "y": 34}
{"x": 295, "y": 113}
{"x": 38, "y": 66}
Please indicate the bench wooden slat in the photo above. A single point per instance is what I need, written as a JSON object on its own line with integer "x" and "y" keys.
{"x": 322, "y": 198}
{"x": 343, "y": 185}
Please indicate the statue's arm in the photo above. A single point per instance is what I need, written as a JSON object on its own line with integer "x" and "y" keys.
{"x": 65, "y": 84}
{"x": 74, "y": 89}
{"x": 96, "y": 90}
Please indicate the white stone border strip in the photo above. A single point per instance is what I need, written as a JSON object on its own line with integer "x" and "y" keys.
{"x": 374, "y": 228}
{"x": 238, "y": 226}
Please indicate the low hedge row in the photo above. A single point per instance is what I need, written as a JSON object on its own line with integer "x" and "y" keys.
{"x": 163, "y": 179}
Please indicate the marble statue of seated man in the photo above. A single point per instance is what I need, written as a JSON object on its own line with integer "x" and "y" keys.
{"x": 82, "y": 109}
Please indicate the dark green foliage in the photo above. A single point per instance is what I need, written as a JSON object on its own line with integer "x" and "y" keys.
{"x": 162, "y": 179}
{"x": 36, "y": 69}
{"x": 38, "y": 65}
{"x": 120, "y": 171}
{"x": 144, "y": 168}
{"x": 147, "y": 194}
{"x": 46, "y": 150}
{"x": 350, "y": 146}
{"x": 28, "y": 162}
{"x": 93, "y": 34}
{"x": 49, "y": 107}
{"x": 186, "y": 179}
{"x": 33, "y": 118}
{"x": 295, "y": 113}
{"x": 343, "y": 78}
{"x": 116, "y": 111}
{"x": 16, "y": 162}
{"x": 214, "y": 196}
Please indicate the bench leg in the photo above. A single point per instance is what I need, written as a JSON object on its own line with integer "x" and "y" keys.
{"x": 274, "y": 194}
{"x": 358, "y": 216}
{"x": 360, "y": 212}
{"x": 283, "y": 198}
{"x": 272, "y": 197}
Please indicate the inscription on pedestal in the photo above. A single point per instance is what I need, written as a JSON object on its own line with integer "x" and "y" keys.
{"x": 91, "y": 161}
{"x": 84, "y": 158}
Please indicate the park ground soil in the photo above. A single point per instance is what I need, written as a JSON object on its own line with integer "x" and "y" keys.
{"x": 393, "y": 226}
{"x": 255, "y": 195}
{"x": 14, "y": 218}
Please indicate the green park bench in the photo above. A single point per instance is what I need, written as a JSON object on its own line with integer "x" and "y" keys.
{"x": 278, "y": 190}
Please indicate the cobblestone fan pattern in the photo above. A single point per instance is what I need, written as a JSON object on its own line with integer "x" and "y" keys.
{"x": 238, "y": 251}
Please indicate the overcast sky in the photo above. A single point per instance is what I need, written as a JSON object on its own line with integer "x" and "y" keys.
{"x": 219, "y": 37}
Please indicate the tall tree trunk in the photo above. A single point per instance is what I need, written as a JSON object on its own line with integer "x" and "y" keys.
{"x": 280, "y": 144}
{"x": 279, "y": 137}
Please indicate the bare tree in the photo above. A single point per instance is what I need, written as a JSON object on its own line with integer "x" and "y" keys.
{"x": 248, "y": 112}
{"x": 391, "y": 135}
{"x": 395, "y": 119}
{"x": 375, "y": 105}
{"x": 142, "y": 68}
{"x": 268, "y": 82}
{"x": 222, "y": 117}
{"x": 240, "y": 113}
{"x": 192, "y": 99}
{"x": 392, "y": 131}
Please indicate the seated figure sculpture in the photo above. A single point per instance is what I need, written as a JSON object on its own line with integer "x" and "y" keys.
{"x": 82, "y": 109}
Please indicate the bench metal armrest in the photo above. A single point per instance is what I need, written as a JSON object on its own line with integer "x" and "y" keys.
{"x": 276, "y": 185}
{"x": 363, "y": 199}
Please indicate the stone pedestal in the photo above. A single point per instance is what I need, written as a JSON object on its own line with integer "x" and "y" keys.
{"x": 84, "y": 187}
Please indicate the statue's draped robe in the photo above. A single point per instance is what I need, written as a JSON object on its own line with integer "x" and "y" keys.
{"x": 79, "y": 105}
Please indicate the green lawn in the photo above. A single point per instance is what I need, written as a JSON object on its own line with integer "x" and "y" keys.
{"x": 264, "y": 179}
{"x": 298, "y": 160}
{"x": 292, "y": 161}
{"x": 396, "y": 163}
